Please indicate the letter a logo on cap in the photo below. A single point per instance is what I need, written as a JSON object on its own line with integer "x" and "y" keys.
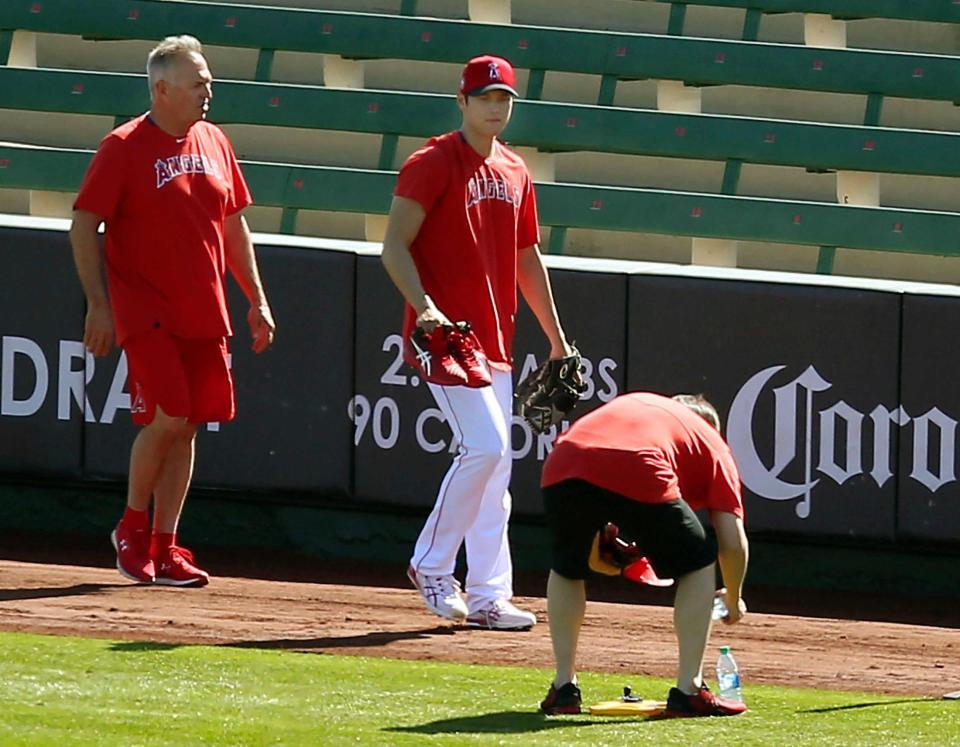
{"x": 488, "y": 73}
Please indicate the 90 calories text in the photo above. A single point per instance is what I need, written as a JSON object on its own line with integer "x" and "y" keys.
{"x": 380, "y": 418}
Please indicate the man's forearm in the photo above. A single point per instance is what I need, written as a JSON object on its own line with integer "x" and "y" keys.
{"x": 87, "y": 256}
{"x": 733, "y": 549}
{"x": 242, "y": 261}
{"x": 243, "y": 267}
{"x": 403, "y": 272}
{"x": 403, "y": 225}
{"x": 733, "y": 568}
{"x": 534, "y": 284}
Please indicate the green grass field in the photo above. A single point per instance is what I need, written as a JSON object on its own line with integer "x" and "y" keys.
{"x": 71, "y": 691}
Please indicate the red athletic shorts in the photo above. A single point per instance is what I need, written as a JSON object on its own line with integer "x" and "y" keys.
{"x": 187, "y": 378}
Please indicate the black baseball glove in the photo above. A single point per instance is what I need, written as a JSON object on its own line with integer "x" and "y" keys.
{"x": 549, "y": 392}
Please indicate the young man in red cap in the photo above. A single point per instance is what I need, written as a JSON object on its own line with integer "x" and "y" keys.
{"x": 169, "y": 189}
{"x": 462, "y": 236}
{"x": 646, "y": 463}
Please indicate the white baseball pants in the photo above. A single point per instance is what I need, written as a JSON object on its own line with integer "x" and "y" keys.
{"x": 473, "y": 504}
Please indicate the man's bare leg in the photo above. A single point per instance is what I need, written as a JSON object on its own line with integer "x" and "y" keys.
{"x": 174, "y": 565}
{"x": 174, "y": 482}
{"x": 566, "y": 606}
{"x": 149, "y": 455}
{"x": 691, "y": 621}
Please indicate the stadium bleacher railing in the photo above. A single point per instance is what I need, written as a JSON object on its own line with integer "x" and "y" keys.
{"x": 937, "y": 11}
{"x": 614, "y": 56}
{"x": 296, "y": 187}
{"x": 547, "y": 126}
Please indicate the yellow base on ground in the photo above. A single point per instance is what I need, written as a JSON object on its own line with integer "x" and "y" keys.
{"x": 621, "y": 708}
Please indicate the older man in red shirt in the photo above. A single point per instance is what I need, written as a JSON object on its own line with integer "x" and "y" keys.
{"x": 169, "y": 189}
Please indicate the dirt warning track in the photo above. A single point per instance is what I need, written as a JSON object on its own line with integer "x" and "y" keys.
{"x": 364, "y": 619}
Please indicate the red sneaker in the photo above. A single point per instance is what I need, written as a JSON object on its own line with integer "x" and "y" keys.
{"x": 566, "y": 700}
{"x": 701, "y": 703}
{"x": 133, "y": 553}
{"x": 469, "y": 353}
{"x": 176, "y": 567}
{"x": 641, "y": 572}
{"x": 434, "y": 358}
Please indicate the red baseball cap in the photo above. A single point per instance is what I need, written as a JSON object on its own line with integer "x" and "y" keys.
{"x": 488, "y": 73}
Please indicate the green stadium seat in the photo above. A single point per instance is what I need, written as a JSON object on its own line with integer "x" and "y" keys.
{"x": 547, "y": 126}
{"x": 613, "y": 55}
{"x": 543, "y": 125}
{"x": 941, "y": 11}
{"x": 841, "y": 10}
{"x": 562, "y": 205}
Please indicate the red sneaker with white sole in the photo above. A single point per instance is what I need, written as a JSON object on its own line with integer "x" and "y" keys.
{"x": 176, "y": 567}
{"x": 133, "y": 553}
{"x": 701, "y": 703}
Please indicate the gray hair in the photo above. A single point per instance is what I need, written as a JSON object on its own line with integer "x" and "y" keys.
{"x": 699, "y": 404}
{"x": 163, "y": 55}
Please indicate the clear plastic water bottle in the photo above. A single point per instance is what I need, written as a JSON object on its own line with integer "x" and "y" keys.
{"x": 728, "y": 676}
{"x": 720, "y": 610}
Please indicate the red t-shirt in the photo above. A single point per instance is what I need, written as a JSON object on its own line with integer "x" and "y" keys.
{"x": 649, "y": 448}
{"x": 479, "y": 213}
{"x": 164, "y": 200}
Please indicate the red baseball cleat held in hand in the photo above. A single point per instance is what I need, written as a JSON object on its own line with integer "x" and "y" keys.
{"x": 469, "y": 354}
{"x": 434, "y": 359}
{"x": 450, "y": 356}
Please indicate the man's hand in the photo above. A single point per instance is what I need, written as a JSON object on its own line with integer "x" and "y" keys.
{"x": 736, "y": 607}
{"x": 98, "y": 334}
{"x": 262, "y": 327}
{"x": 431, "y": 318}
{"x": 561, "y": 350}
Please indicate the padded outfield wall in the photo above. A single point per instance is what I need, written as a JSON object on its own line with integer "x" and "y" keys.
{"x": 838, "y": 395}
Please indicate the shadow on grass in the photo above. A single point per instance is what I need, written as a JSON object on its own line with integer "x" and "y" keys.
{"x": 9, "y": 595}
{"x": 377, "y": 638}
{"x": 140, "y": 646}
{"x": 501, "y": 722}
{"x": 871, "y": 704}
